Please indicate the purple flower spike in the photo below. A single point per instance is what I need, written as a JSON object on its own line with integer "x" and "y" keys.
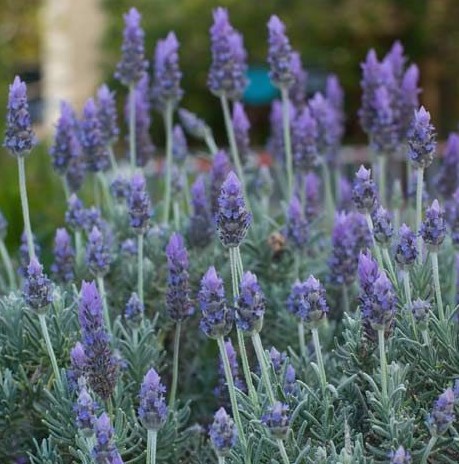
{"x": 133, "y": 311}
{"x": 152, "y": 409}
{"x": 19, "y": 136}
{"x": 119, "y": 188}
{"x": 223, "y": 434}
{"x": 297, "y": 228}
{"x": 383, "y": 229}
{"x": 228, "y": 68}
{"x": 400, "y": 456}
{"x": 447, "y": 179}
{"x": 98, "y": 256}
{"x": 220, "y": 168}
{"x": 279, "y": 54}
{"x": 277, "y": 359}
{"x": 277, "y": 420}
{"x": 201, "y": 228}
{"x": 38, "y": 291}
{"x": 307, "y": 301}
{"x": 64, "y": 257}
{"x": 334, "y": 93}
{"x": 217, "y": 317}
{"x": 132, "y": 64}
{"x": 233, "y": 220}
{"x": 104, "y": 451}
{"x": 76, "y": 172}
{"x": 290, "y": 386}
{"x": 421, "y": 310}
{"x": 304, "y": 141}
{"x": 313, "y": 200}
{"x": 385, "y": 129}
{"x": 66, "y": 144}
{"x": 106, "y": 113}
{"x": 167, "y": 75}
{"x": 75, "y": 216}
{"x": 345, "y": 194}
{"x": 408, "y": 99}
{"x": 421, "y": 140}
{"x": 221, "y": 391}
{"x": 297, "y": 91}
{"x": 241, "y": 126}
{"x": 250, "y": 304}
{"x": 84, "y": 411}
{"x": 179, "y": 145}
{"x": 275, "y": 143}
{"x": 433, "y": 228}
{"x": 78, "y": 362}
{"x": 193, "y": 125}
{"x": 92, "y": 142}
{"x": 378, "y": 304}
{"x": 368, "y": 272}
{"x": 139, "y": 205}
{"x": 364, "y": 191}
{"x": 406, "y": 251}
{"x": 178, "y": 301}
{"x": 442, "y": 415}
{"x": 101, "y": 366}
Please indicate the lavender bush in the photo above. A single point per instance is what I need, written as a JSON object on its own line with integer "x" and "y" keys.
{"x": 253, "y": 327}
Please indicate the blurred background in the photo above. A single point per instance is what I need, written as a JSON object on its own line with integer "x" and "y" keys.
{"x": 64, "y": 49}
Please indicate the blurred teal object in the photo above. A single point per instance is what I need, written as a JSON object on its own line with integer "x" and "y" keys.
{"x": 260, "y": 90}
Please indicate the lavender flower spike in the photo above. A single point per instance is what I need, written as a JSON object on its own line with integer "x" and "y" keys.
{"x": 193, "y": 125}
{"x": 101, "y": 366}
{"x": 19, "y": 136}
{"x": 304, "y": 141}
{"x": 139, "y": 205}
{"x": 217, "y": 317}
{"x": 400, "y": 456}
{"x": 442, "y": 415}
{"x": 297, "y": 92}
{"x": 220, "y": 169}
{"x": 433, "y": 228}
{"x": 179, "y": 145}
{"x": 92, "y": 142}
{"x": 233, "y": 219}
{"x": 280, "y": 54}
{"x": 201, "y": 228}
{"x": 364, "y": 191}
{"x": 221, "y": 391}
{"x": 406, "y": 252}
{"x": 227, "y": 71}
{"x": 167, "y": 75}
{"x": 75, "y": 216}
{"x": 78, "y": 363}
{"x": 98, "y": 256}
{"x": 382, "y": 227}
{"x": 133, "y": 311}
{"x": 277, "y": 420}
{"x": 178, "y": 299}
{"x": 250, "y": 304}
{"x": 152, "y": 409}
{"x": 297, "y": 227}
{"x": 84, "y": 411}
{"x": 132, "y": 64}
{"x": 223, "y": 434}
{"x": 241, "y": 126}
{"x": 37, "y": 288}
{"x": 64, "y": 257}
{"x": 66, "y": 144}
{"x": 421, "y": 140}
{"x": 106, "y": 113}
{"x": 104, "y": 451}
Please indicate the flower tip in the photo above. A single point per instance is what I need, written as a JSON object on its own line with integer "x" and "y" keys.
{"x": 363, "y": 173}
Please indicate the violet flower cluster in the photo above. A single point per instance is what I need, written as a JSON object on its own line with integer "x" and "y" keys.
{"x": 442, "y": 414}
{"x": 201, "y": 230}
{"x": 38, "y": 291}
{"x": 105, "y": 451}
{"x": 106, "y": 113}
{"x": 133, "y": 311}
{"x": 84, "y": 410}
{"x": 304, "y": 141}
{"x": 221, "y": 390}
{"x": 277, "y": 420}
{"x": 421, "y": 140}
{"x": 139, "y": 206}
{"x": 279, "y": 54}
{"x": 64, "y": 257}
{"x": 152, "y": 409}
{"x": 250, "y": 304}
{"x": 364, "y": 192}
{"x": 220, "y": 168}
{"x": 433, "y": 228}
{"x": 406, "y": 251}
{"x": 297, "y": 226}
{"x": 98, "y": 255}
{"x": 222, "y": 433}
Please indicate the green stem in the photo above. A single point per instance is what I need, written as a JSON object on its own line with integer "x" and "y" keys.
{"x": 152, "y": 436}
{"x": 65, "y": 188}
{"x": 49, "y": 347}
{"x": 25, "y": 207}
{"x": 283, "y": 452}
{"x": 168, "y": 128}
{"x": 409, "y": 301}
{"x": 239, "y": 265}
{"x": 233, "y": 145}
{"x": 436, "y": 279}
{"x": 8, "y": 265}
{"x": 428, "y": 449}
{"x": 140, "y": 267}
{"x": 103, "y": 296}
{"x": 426, "y": 338}
{"x": 301, "y": 339}
{"x": 382, "y": 178}
{"x": 221, "y": 459}
{"x": 79, "y": 248}
{"x": 256, "y": 340}
{"x": 231, "y": 391}
{"x": 389, "y": 265}
{"x": 419, "y": 186}
{"x": 210, "y": 142}
{"x": 320, "y": 361}
{"x": 132, "y": 140}
{"x": 186, "y": 189}
{"x": 287, "y": 140}
{"x": 346, "y": 304}
{"x": 113, "y": 162}
{"x": 176, "y": 209}
{"x": 383, "y": 364}
{"x": 175, "y": 364}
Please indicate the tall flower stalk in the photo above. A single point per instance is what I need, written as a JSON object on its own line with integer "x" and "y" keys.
{"x": 19, "y": 140}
